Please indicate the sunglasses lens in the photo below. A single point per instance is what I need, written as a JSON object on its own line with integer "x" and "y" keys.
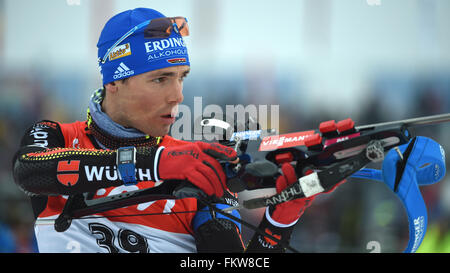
{"x": 182, "y": 25}
{"x": 158, "y": 28}
{"x": 162, "y": 27}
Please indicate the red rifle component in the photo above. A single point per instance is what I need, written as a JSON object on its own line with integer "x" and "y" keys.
{"x": 346, "y": 126}
{"x": 314, "y": 142}
{"x": 328, "y": 128}
{"x": 284, "y": 158}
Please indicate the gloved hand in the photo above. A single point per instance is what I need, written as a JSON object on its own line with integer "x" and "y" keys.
{"x": 289, "y": 212}
{"x": 197, "y": 163}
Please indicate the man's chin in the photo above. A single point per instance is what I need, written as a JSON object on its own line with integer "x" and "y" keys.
{"x": 164, "y": 130}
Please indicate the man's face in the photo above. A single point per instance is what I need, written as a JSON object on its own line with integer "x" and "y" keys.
{"x": 149, "y": 101}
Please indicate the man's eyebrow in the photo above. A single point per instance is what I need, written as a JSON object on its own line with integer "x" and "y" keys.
{"x": 162, "y": 74}
{"x": 168, "y": 74}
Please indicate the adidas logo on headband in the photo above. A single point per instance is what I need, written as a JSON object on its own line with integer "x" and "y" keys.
{"x": 122, "y": 71}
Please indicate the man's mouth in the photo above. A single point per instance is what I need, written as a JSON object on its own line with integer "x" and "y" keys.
{"x": 170, "y": 117}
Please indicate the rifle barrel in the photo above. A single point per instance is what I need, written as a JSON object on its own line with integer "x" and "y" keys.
{"x": 427, "y": 120}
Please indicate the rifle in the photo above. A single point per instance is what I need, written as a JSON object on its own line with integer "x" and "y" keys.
{"x": 336, "y": 151}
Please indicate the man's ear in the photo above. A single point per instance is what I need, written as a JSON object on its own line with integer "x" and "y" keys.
{"x": 111, "y": 87}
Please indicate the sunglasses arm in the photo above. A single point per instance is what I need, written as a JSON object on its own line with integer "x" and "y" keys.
{"x": 131, "y": 31}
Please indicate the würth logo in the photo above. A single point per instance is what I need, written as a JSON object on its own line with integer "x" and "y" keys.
{"x": 67, "y": 172}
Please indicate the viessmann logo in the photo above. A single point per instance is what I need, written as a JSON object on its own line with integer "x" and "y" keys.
{"x": 284, "y": 141}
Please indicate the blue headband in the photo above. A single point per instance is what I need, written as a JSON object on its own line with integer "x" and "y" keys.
{"x": 425, "y": 165}
{"x": 136, "y": 55}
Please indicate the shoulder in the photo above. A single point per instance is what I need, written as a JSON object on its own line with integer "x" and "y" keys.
{"x": 77, "y": 125}
{"x": 56, "y": 126}
{"x": 46, "y": 124}
{"x": 49, "y": 133}
{"x": 43, "y": 134}
{"x": 42, "y": 129}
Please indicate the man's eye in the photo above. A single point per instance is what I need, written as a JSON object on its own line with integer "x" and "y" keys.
{"x": 159, "y": 80}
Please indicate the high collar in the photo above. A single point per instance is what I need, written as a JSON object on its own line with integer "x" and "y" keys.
{"x": 109, "y": 134}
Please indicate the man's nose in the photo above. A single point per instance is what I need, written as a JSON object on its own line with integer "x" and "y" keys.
{"x": 176, "y": 93}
